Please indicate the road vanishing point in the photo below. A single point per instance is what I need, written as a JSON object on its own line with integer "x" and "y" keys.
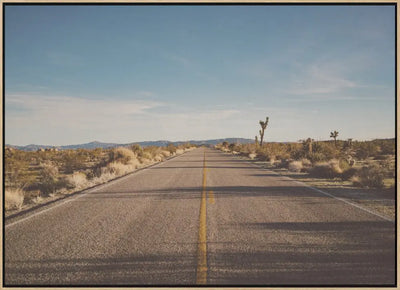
{"x": 202, "y": 218}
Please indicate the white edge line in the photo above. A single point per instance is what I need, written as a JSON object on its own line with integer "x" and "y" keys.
{"x": 327, "y": 194}
{"x": 85, "y": 192}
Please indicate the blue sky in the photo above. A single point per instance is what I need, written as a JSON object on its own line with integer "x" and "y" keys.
{"x": 74, "y": 74}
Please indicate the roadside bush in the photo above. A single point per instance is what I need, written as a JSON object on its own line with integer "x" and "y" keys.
{"x": 118, "y": 169}
{"x": 323, "y": 151}
{"x": 349, "y": 173}
{"x": 252, "y": 155}
{"x": 282, "y": 163}
{"x": 137, "y": 149}
{"x": 73, "y": 161}
{"x": 152, "y": 152}
{"x": 306, "y": 163}
{"x": 316, "y": 157}
{"x": 295, "y": 166}
{"x": 371, "y": 176}
{"x": 49, "y": 181}
{"x": 329, "y": 169}
{"x": 121, "y": 155}
{"x": 76, "y": 180}
{"x": 344, "y": 165}
{"x": 14, "y": 198}
{"x": 171, "y": 148}
{"x": 366, "y": 149}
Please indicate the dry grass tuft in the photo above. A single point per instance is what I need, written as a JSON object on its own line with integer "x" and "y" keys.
{"x": 252, "y": 156}
{"x": 121, "y": 155}
{"x": 180, "y": 151}
{"x": 77, "y": 180}
{"x": 295, "y": 166}
{"x": 330, "y": 169}
{"x": 14, "y": 198}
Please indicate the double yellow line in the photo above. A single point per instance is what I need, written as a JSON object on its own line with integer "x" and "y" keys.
{"x": 202, "y": 241}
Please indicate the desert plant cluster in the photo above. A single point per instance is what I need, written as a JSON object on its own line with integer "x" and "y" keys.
{"x": 31, "y": 176}
{"x": 369, "y": 164}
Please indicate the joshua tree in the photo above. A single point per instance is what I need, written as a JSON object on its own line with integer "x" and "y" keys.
{"x": 309, "y": 143}
{"x": 334, "y": 135}
{"x": 256, "y": 140}
{"x": 263, "y": 127}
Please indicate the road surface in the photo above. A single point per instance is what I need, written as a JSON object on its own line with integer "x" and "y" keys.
{"x": 204, "y": 217}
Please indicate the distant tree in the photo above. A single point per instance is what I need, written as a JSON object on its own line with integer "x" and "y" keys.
{"x": 256, "y": 140}
{"x": 308, "y": 144}
{"x": 263, "y": 127}
{"x": 334, "y": 135}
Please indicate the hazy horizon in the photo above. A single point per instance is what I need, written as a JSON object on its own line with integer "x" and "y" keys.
{"x": 187, "y": 140}
{"x": 120, "y": 74}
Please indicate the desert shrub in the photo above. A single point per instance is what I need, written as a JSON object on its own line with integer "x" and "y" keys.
{"x": 306, "y": 165}
{"x": 171, "y": 148}
{"x": 16, "y": 169}
{"x": 344, "y": 165}
{"x": 118, "y": 169}
{"x": 388, "y": 168}
{"x": 366, "y": 149}
{"x": 49, "y": 181}
{"x": 13, "y": 198}
{"x": 282, "y": 163}
{"x": 295, "y": 166}
{"x": 349, "y": 173}
{"x": 388, "y": 147}
{"x": 76, "y": 180}
{"x": 121, "y": 155}
{"x": 152, "y": 152}
{"x": 369, "y": 176}
{"x": 329, "y": 169}
{"x": 137, "y": 149}
{"x": 252, "y": 155}
{"x": 297, "y": 154}
{"x": 326, "y": 150}
{"x": 316, "y": 157}
{"x": 73, "y": 161}
{"x": 265, "y": 153}
{"x": 159, "y": 157}
{"x": 234, "y": 147}
{"x": 145, "y": 156}
{"x": 306, "y": 162}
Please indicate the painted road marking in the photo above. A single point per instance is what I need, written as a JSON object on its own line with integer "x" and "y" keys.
{"x": 202, "y": 242}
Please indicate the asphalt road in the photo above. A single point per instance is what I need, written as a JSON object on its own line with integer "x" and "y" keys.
{"x": 186, "y": 221}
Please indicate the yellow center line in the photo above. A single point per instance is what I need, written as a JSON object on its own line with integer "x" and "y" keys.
{"x": 202, "y": 242}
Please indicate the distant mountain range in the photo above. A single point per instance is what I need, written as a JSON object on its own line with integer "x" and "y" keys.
{"x": 97, "y": 144}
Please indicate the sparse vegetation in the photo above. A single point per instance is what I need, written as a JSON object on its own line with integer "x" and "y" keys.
{"x": 365, "y": 163}
{"x": 14, "y": 198}
{"x": 33, "y": 176}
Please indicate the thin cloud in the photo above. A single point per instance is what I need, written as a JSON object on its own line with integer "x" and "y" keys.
{"x": 67, "y": 119}
{"x": 320, "y": 80}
